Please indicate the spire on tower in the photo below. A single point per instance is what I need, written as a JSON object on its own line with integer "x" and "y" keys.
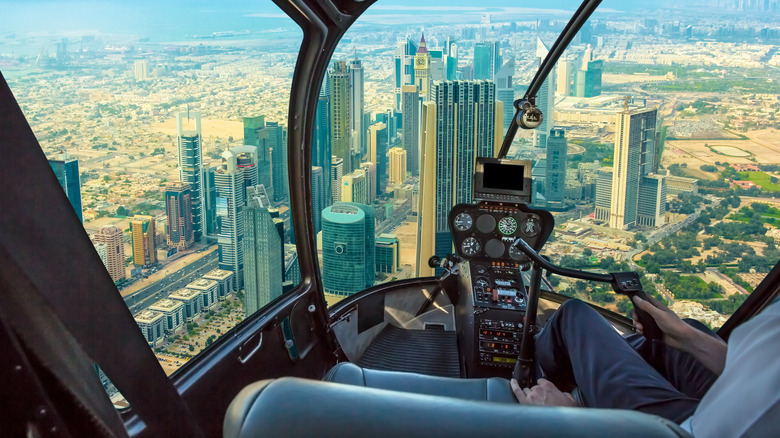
{"x": 423, "y": 47}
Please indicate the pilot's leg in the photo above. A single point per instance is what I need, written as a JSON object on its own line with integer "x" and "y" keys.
{"x": 686, "y": 373}
{"x": 579, "y": 347}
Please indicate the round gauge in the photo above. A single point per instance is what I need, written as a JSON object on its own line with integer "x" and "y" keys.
{"x": 494, "y": 248}
{"x": 486, "y": 223}
{"x": 507, "y": 225}
{"x": 481, "y": 282}
{"x": 515, "y": 253}
{"x": 463, "y": 222}
{"x": 480, "y": 269}
{"x": 531, "y": 227}
{"x": 470, "y": 247}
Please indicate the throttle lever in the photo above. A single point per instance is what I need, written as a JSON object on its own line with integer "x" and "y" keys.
{"x": 627, "y": 283}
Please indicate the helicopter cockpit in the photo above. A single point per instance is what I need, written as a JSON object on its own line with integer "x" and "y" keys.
{"x": 273, "y": 237}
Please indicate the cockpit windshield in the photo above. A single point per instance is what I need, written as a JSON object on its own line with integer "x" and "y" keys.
{"x": 658, "y": 149}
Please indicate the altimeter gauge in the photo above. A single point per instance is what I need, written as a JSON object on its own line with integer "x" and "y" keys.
{"x": 470, "y": 247}
{"x": 507, "y": 225}
{"x": 463, "y": 222}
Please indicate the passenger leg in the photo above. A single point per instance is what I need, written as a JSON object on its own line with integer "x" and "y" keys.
{"x": 682, "y": 370}
{"x": 579, "y": 347}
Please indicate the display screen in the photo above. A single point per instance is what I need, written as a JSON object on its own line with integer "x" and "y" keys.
{"x": 503, "y": 176}
{"x": 504, "y": 359}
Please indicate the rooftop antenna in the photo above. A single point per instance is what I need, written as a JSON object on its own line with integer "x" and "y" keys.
{"x": 625, "y": 103}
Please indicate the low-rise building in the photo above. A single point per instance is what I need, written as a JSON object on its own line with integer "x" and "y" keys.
{"x": 224, "y": 281}
{"x": 151, "y": 324}
{"x": 193, "y": 304}
{"x": 208, "y": 292}
{"x": 173, "y": 311}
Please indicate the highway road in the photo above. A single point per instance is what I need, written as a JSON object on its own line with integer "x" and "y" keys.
{"x": 172, "y": 282}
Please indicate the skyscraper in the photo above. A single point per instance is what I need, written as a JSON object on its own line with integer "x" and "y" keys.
{"x": 545, "y": 99}
{"x": 321, "y": 154}
{"x": 634, "y": 154}
{"x": 112, "y": 237}
{"x": 588, "y": 83}
{"x": 397, "y": 158}
{"x": 66, "y": 168}
{"x": 347, "y": 248}
{"x": 142, "y": 235}
{"x": 370, "y": 170}
{"x": 262, "y": 247}
{"x": 387, "y": 254}
{"x": 403, "y": 67}
{"x": 209, "y": 203}
{"x": 357, "y": 92}
{"x": 278, "y": 147}
{"x": 563, "y": 80}
{"x": 555, "y": 177}
{"x": 317, "y": 196}
{"x": 487, "y": 60}
{"x": 341, "y": 114}
{"x": 178, "y": 206}
{"x": 140, "y": 70}
{"x": 465, "y": 114}
{"x": 354, "y": 187}
{"x": 422, "y": 65}
{"x": 191, "y": 167}
{"x": 410, "y": 132}
{"x": 377, "y": 144}
{"x": 336, "y": 172}
{"x": 229, "y": 180}
{"x": 505, "y": 92}
{"x": 258, "y": 135}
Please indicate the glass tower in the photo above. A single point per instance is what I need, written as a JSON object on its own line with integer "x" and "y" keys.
{"x": 347, "y": 248}
{"x": 262, "y": 246}
{"x": 178, "y": 206}
{"x": 410, "y": 131}
{"x": 191, "y": 167}
{"x": 555, "y": 177}
{"x": 67, "y": 170}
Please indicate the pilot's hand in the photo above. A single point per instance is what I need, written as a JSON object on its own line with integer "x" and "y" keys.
{"x": 545, "y": 393}
{"x": 676, "y": 331}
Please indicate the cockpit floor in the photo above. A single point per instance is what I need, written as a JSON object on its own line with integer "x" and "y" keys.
{"x": 431, "y": 352}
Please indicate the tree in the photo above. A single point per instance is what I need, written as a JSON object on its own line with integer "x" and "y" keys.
{"x": 192, "y": 348}
{"x": 122, "y": 211}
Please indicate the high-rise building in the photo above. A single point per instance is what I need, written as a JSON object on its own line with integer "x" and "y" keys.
{"x": 588, "y": 80}
{"x": 403, "y": 67}
{"x": 317, "y": 199}
{"x": 277, "y": 138}
{"x": 466, "y": 114}
{"x": 354, "y": 187}
{"x": 563, "y": 79}
{"x": 66, "y": 168}
{"x": 633, "y": 161}
{"x": 336, "y": 172}
{"x": 190, "y": 144}
{"x": 322, "y": 155}
{"x": 437, "y": 65}
{"x": 388, "y": 254}
{"x": 377, "y": 145}
{"x": 422, "y": 66}
{"x": 545, "y": 99}
{"x": 341, "y": 114}
{"x": 410, "y": 131}
{"x": 487, "y": 60}
{"x": 140, "y": 70}
{"x": 357, "y": 93}
{"x": 100, "y": 248}
{"x": 370, "y": 170}
{"x": 603, "y": 196}
{"x": 258, "y": 135}
{"x": 142, "y": 235}
{"x": 555, "y": 176}
{"x": 178, "y": 206}
{"x": 397, "y": 158}
{"x": 229, "y": 181}
{"x": 505, "y": 91}
{"x": 347, "y": 248}
{"x": 112, "y": 237}
{"x": 263, "y": 264}
{"x": 209, "y": 203}
{"x": 651, "y": 205}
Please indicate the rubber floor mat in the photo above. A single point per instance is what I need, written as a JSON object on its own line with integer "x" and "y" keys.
{"x": 432, "y": 352}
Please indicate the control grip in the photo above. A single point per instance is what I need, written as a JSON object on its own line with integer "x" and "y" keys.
{"x": 650, "y": 328}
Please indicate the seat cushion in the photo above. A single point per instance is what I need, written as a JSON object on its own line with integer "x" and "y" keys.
{"x": 494, "y": 389}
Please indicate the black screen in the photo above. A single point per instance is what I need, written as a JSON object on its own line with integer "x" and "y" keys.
{"x": 503, "y": 176}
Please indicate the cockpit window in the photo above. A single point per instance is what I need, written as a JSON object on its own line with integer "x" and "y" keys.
{"x": 166, "y": 125}
{"x": 657, "y": 151}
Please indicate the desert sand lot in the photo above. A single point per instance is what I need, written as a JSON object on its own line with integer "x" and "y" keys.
{"x": 763, "y": 147}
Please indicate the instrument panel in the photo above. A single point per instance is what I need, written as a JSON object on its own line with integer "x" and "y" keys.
{"x": 487, "y": 230}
